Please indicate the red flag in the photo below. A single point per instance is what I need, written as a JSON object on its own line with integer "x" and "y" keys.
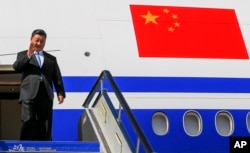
{"x": 187, "y": 32}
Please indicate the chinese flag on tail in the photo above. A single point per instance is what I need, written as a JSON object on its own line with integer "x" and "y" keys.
{"x": 187, "y": 32}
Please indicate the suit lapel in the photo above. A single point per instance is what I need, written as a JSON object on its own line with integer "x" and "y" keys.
{"x": 33, "y": 60}
{"x": 45, "y": 61}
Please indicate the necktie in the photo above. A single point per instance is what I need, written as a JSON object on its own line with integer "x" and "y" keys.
{"x": 38, "y": 58}
{"x": 39, "y": 62}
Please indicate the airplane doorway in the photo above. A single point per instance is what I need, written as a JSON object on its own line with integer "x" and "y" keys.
{"x": 10, "y": 109}
{"x": 10, "y": 119}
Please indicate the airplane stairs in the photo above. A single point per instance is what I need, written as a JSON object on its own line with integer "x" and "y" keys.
{"x": 100, "y": 126}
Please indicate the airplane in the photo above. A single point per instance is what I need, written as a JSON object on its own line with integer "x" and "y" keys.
{"x": 182, "y": 66}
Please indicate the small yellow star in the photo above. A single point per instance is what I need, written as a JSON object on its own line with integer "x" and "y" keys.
{"x": 166, "y": 11}
{"x": 171, "y": 29}
{"x": 176, "y": 24}
{"x": 150, "y": 18}
{"x": 174, "y": 16}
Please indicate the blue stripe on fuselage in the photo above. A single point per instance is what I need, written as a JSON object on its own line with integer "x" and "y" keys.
{"x": 162, "y": 84}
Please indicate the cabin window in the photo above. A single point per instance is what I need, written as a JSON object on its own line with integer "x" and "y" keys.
{"x": 192, "y": 123}
{"x": 160, "y": 123}
{"x": 224, "y": 123}
{"x": 248, "y": 122}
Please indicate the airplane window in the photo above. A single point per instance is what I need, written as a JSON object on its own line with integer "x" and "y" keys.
{"x": 192, "y": 123}
{"x": 160, "y": 123}
{"x": 248, "y": 122}
{"x": 224, "y": 123}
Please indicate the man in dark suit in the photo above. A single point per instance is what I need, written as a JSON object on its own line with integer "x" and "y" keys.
{"x": 40, "y": 72}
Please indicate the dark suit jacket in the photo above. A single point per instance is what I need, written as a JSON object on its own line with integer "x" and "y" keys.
{"x": 31, "y": 73}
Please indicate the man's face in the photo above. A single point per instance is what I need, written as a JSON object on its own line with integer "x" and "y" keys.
{"x": 38, "y": 42}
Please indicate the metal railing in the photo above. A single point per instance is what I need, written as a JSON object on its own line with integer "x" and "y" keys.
{"x": 122, "y": 103}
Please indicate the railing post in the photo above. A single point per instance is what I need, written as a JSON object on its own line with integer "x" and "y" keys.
{"x": 119, "y": 113}
{"x": 101, "y": 85}
{"x": 138, "y": 145}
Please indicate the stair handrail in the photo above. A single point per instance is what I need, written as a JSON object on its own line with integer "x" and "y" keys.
{"x": 106, "y": 74}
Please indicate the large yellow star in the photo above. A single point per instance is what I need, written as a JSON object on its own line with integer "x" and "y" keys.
{"x": 150, "y": 18}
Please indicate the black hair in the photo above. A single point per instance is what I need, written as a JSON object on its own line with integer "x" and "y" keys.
{"x": 39, "y": 32}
